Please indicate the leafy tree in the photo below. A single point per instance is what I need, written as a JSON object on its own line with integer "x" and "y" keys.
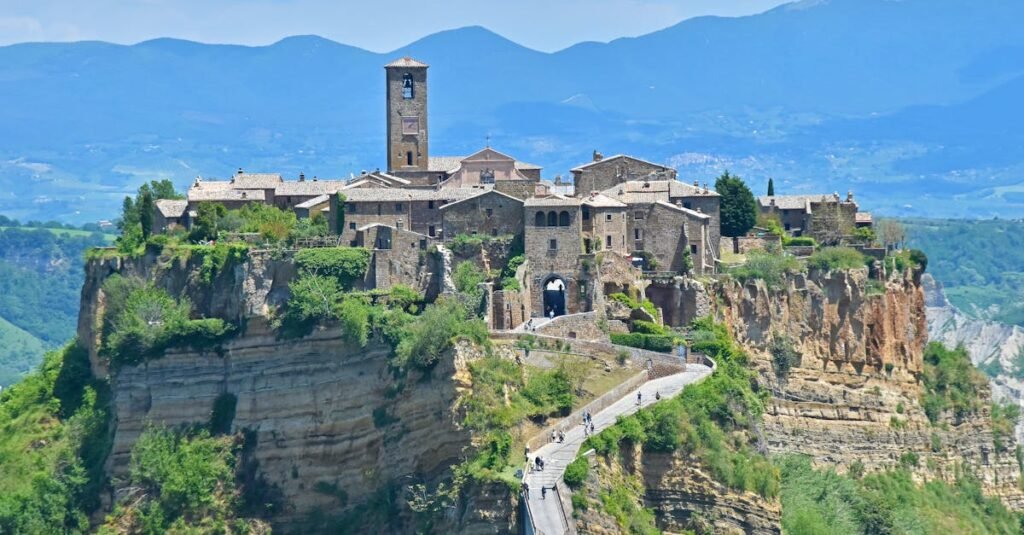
{"x": 738, "y": 207}
{"x": 347, "y": 265}
{"x": 339, "y": 223}
{"x": 207, "y": 221}
{"x": 771, "y": 187}
{"x": 423, "y": 340}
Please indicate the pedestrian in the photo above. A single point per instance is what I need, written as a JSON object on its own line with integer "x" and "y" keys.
{"x": 657, "y": 395}
{"x": 586, "y": 430}
{"x": 561, "y": 437}
{"x": 526, "y": 490}
{"x": 543, "y": 492}
{"x": 554, "y": 436}
{"x": 638, "y": 397}
{"x": 551, "y": 314}
{"x": 591, "y": 428}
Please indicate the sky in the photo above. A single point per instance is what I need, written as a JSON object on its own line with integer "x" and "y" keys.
{"x": 377, "y": 25}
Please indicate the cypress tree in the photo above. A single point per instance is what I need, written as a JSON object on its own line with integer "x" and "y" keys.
{"x": 771, "y": 187}
{"x": 145, "y": 209}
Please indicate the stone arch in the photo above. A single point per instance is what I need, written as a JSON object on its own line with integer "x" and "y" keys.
{"x": 554, "y": 288}
{"x": 552, "y": 219}
{"x": 538, "y": 220}
{"x": 563, "y": 219}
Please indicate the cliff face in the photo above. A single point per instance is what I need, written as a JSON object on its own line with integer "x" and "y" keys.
{"x": 327, "y": 425}
{"x": 854, "y": 396}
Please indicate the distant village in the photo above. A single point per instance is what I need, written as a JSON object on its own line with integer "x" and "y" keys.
{"x": 621, "y": 205}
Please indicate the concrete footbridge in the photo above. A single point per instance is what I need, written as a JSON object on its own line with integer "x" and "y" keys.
{"x": 552, "y": 514}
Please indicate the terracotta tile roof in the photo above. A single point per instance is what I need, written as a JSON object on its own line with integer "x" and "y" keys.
{"x": 171, "y": 207}
{"x": 399, "y": 194}
{"x": 256, "y": 180}
{"x": 599, "y": 200}
{"x": 406, "y": 62}
{"x": 310, "y": 187}
{"x": 552, "y": 200}
{"x": 198, "y": 195}
{"x": 315, "y": 201}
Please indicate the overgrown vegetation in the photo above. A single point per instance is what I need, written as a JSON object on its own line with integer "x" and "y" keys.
{"x": 347, "y": 265}
{"x": 822, "y": 501}
{"x": 141, "y": 321}
{"x": 53, "y": 446}
{"x": 184, "y": 482}
{"x": 771, "y": 267}
{"x": 712, "y": 421}
{"x": 784, "y": 355}
{"x": 951, "y": 383}
{"x": 836, "y": 258}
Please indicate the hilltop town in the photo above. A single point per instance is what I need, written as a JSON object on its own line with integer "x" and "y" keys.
{"x": 621, "y": 207}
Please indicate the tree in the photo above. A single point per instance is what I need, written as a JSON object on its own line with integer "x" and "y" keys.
{"x": 145, "y": 208}
{"x": 771, "y": 187}
{"x": 891, "y": 233}
{"x": 340, "y": 217}
{"x": 208, "y": 216}
{"x": 738, "y": 208}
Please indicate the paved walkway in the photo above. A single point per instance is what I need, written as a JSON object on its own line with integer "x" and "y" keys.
{"x": 547, "y": 514}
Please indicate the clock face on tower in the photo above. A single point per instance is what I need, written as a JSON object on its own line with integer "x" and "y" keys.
{"x": 410, "y": 126}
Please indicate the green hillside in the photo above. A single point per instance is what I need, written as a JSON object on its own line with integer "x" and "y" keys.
{"x": 979, "y": 262}
{"x": 19, "y": 352}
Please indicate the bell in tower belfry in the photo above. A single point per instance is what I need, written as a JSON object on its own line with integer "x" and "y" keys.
{"x": 407, "y": 116}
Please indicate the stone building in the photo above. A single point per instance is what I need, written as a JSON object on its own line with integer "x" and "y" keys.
{"x": 603, "y": 173}
{"x": 417, "y": 210}
{"x": 397, "y": 255}
{"x": 553, "y": 244}
{"x": 668, "y": 220}
{"x": 407, "y": 132}
{"x": 491, "y": 213}
{"x": 826, "y": 218}
{"x": 169, "y": 214}
{"x": 604, "y": 224}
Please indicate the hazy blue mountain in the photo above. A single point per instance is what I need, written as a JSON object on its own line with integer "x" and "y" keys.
{"x": 888, "y": 97}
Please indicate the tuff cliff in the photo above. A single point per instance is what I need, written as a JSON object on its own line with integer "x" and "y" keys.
{"x": 329, "y": 427}
{"x": 854, "y": 396}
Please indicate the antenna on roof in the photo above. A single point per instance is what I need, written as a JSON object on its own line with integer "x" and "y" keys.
{"x": 487, "y": 143}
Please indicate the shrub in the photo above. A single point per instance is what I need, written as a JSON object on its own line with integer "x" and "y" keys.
{"x": 423, "y": 340}
{"x": 467, "y": 276}
{"x": 647, "y": 327}
{"x": 223, "y": 413}
{"x": 836, "y": 258}
{"x": 771, "y": 268}
{"x": 576, "y": 472}
{"x": 465, "y": 245}
{"x": 346, "y": 264}
{"x": 800, "y": 241}
{"x": 271, "y": 222}
{"x": 650, "y": 342}
{"x": 784, "y": 355}
{"x": 951, "y": 383}
{"x": 354, "y": 315}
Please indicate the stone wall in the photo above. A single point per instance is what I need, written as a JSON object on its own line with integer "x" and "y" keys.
{"x": 662, "y": 232}
{"x": 745, "y": 244}
{"x": 510, "y": 309}
{"x": 607, "y": 173}
{"x": 520, "y": 189}
{"x": 403, "y": 262}
{"x": 398, "y": 108}
{"x": 681, "y": 300}
{"x": 361, "y": 214}
{"x": 605, "y": 224}
{"x": 490, "y": 214}
{"x": 583, "y": 326}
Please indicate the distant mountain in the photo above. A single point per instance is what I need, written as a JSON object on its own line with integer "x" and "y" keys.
{"x": 878, "y": 95}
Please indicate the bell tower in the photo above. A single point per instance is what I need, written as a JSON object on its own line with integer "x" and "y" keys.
{"x": 407, "y": 115}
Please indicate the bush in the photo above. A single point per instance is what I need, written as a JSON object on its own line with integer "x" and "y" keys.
{"x": 423, "y": 340}
{"x": 465, "y": 245}
{"x": 771, "y": 268}
{"x": 784, "y": 355}
{"x": 951, "y": 383}
{"x": 647, "y": 327}
{"x": 650, "y": 342}
{"x": 799, "y": 241}
{"x": 576, "y": 472}
{"x": 837, "y": 258}
{"x": 467, "y": 277}
{"x": 347, "y": 265}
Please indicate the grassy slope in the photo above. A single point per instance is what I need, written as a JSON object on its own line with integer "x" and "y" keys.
{"x": 19, "y": 352}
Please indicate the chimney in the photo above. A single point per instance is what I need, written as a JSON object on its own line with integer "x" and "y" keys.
{"x": 598, "y": 156}
{"x": 771, "y": 201}
{"x": 314, "y": 178}
{"x": 849, "y": 196}
{"x": 705, "y": 187}
{"x": 240, "y": 171}
{"x": 696, "y": 184}
{"x": 302, "y": 177}
{"x": 244, "y": 194}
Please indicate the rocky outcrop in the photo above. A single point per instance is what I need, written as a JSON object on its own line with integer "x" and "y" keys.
{"x": 682, "y": 496}
{"x": 854, "y": 395}
{"x": 328, "y": 426}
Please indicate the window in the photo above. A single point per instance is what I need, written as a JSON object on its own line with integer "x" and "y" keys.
{"x": 608, "y": 241}
{"x": 538, "y": 220}
{"x": 398, "y": 225}
{"x": 398, "y": 207}
{"x": 693, "y": 249}
{"x": 563, "y": 219}
{"x": 553, "y": 245}
{"x": 552, "y": 219}
{"x": 638, "y": 234}
{"x": 410, "y": 126}
{"x": 688, "y": 206}
{"x": 352, "y": 208}
{"x": 408, "y": 158}
{"x": 586, "y": 213}
{"x": 352, "y": 225}
{"x": 487, "y": 176}
{"x": 607, "y": 217}
{"x": 431, "y": 231}
{"x": 490, "y": 212}
{"x": 638, "y": 215}
{"x": 378, "y": 208}
{"x": 423, "y": 244}
{"x": 787, "y": 227}
{"x": 407, "y": 87}
{"x": 430, "y": 205}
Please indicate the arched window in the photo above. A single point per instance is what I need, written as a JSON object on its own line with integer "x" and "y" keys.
{"x": 407, "y": 86}
{"x": 552, "y": 219}
{"x": 563, "y": 219}
{"x": 538, "y": 221}
{"x": 408, "y": 158}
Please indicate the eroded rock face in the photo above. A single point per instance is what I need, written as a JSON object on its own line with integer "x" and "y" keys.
{"x": 855, "y": 395}
{"x": 682, "y": 496}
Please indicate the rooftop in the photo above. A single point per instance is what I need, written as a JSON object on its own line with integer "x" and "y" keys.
{"x": 310, "y": 187}
{"x": 651, "y": 191}
{"x": 171, "y": 207}
{"x": 244, "y": 180}
{"x": 796, "y": 202}
{"x": 616, "y": 157}
{"x": 406, "y": 62}
{"x": 315, "y": 201}
{"x": 226, "y": 195}
{"x": 598, "y": 200}
{"x": 552, "y": 200}
{"x": 397, "y": 194}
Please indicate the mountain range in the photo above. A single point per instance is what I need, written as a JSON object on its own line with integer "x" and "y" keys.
{"x": 913, "y": 104}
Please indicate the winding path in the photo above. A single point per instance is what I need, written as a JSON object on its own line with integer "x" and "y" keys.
{"x": 548, "y": 515}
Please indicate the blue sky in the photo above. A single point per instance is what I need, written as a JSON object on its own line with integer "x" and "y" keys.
{"x": 379, "y": 25}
